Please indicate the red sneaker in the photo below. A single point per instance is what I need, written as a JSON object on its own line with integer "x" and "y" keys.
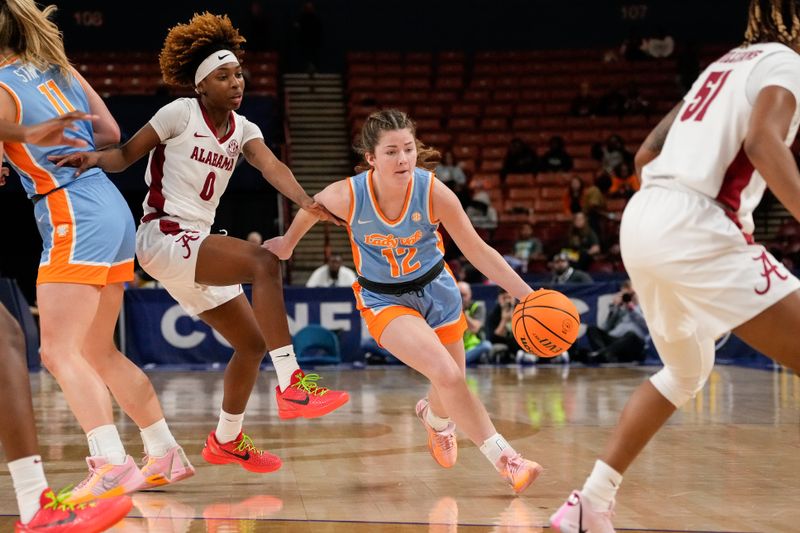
{"x": 58, "y": 516}
{"x": 304, "y": 398}
{"x": 240, "y": 450}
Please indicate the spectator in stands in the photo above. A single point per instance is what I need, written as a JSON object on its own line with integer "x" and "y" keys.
{"x": 520, "y": 159}
{"x": 631, "y": 48}
{"x": 332, "y": 274}
{"x": 574, "y": 196}
{"x": 556, "y": 159}
{"x": 255, "y": 237}
{"x": 621, "y": 338}
{"x": 525, "y": 248}
{"x": 500, "y": 331}
{"x": 309, "y": 35}
{"x": 634, "y": 103}
{"x": 584, "y": 104}
{"x": 612, "y": 153}
{"x": 660, "y": 45}
{"x": 624, "y": 181}
{"x": 450, "y": 172}
{"x": 563, "y": 272}
{"x": 582, "y": 242}
{"x": 594, "y": 202}
{"x": 477, "y": 348}
{"x": 612, "y": 103}
{"x": 258, "y": 35}
{"x": 481, "y": 213}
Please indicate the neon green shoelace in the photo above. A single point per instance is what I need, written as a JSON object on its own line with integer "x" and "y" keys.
{"x": 308, "y": 384}
{"x": 60, "y": 501}
{"x": 246, "y": 444}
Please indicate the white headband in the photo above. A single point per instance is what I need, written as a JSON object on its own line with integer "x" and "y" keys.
{"x": 213, "y": 62}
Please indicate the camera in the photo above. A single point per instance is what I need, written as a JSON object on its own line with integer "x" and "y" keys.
{"x": 627, "y": 297}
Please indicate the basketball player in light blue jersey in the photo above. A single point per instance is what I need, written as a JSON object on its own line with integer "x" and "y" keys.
{"x": 87, "y": 233}
{"x": 405, "y": 292}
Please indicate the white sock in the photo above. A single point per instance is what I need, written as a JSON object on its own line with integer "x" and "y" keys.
{"x": 436, "y": 422}
{"x": 494, "y": 446}
{"x": 228, "y": 427}
{"x": 157, "y": 439}
{"x": 601, "y": 486}
{"x": 104, "y": 442}
{"x": 285, "y": 364}
{"x": 29, "y": 483}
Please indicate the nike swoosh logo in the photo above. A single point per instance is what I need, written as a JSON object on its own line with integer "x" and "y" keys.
{"x": 299, "y": 402}
{"x": 223, "y": 56}
{"x": 71, "y": 518}
{"x": 244, "y": 457}
{"x": 111, "y": 482}
{"x": 198, "y": 135}
{"x": 580, "y": 518}
{"x": 284, "y": 355}
{"x": 363, "y": 221}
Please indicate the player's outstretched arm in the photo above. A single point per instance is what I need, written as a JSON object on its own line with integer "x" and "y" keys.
{"x": 48, "y": 133}
{"x": 486, "y": 259}
{"x": 106, "y": 129}
{"x": 766, "y": 149}
{"x": 279, "y": 176}
{"x": 112, "y": 159}
{"x": 334, "y": 198}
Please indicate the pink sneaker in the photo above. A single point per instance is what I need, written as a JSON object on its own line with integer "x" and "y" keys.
{"x": 170, "y": 468}
{"x": 518, "y": 472}
{"x": 106, "y": 480}
{"x": 575, "y": 516}
{"x": 442, "y": 444}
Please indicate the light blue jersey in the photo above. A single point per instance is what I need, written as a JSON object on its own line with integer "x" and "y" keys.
{"x": 39, "y": 96}
{"x": 399, "y": 251}
{"x": 394, "y": 251}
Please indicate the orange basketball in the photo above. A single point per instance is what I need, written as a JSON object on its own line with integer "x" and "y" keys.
{"x": 546, "y": 323}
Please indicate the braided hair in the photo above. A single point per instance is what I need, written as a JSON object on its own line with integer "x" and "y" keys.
{"x": 773, "y": 21}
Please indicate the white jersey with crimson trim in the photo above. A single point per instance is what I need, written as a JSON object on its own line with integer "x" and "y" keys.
{"x": 189, "y": 171}
{"x": 704, "y": 147}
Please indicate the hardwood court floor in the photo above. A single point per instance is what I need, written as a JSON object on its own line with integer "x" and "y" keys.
{"x": 727, "y": 462}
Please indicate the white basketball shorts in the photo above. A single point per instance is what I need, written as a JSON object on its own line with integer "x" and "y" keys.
{"x": 692, "y": 267}
{"x": 169, "y": 254}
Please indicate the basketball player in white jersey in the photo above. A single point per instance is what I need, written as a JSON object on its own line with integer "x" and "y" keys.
{"x": 194, "y": 144}
{"x": 686, "y": 238}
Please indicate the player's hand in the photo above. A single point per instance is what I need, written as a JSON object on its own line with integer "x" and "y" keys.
{"x": 319, "y": 211}
{"x": 51, "y": 132}
{"x": 280, "y": 247}
{"x": 78, "y": 160}
{"x": 4, "y": 171}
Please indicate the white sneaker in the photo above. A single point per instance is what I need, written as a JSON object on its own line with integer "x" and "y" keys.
{"x": 575, "y": 516}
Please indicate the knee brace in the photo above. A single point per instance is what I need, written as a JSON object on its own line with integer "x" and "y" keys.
{"x": 687, "y": 365}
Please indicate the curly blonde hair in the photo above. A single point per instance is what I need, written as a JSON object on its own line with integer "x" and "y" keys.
{"x": 391, "y": 120}
{"x": 187, "y": 45}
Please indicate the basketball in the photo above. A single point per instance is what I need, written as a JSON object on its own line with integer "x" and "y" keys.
{"x": 546, "y": 323}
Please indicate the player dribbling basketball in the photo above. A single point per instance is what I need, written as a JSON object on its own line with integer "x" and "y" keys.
{"x": 406, "y": 295}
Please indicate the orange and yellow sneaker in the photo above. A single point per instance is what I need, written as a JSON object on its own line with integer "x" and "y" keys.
{"x": 304, "y": 398}
{"x": 57, "y": 515}
{"x": 169, "y": 468}
{"x": 106, "y": 480}
{"x": 518, "y": 472}
{"x": 240, "y": 450}
{"x": 442, "y": 444}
